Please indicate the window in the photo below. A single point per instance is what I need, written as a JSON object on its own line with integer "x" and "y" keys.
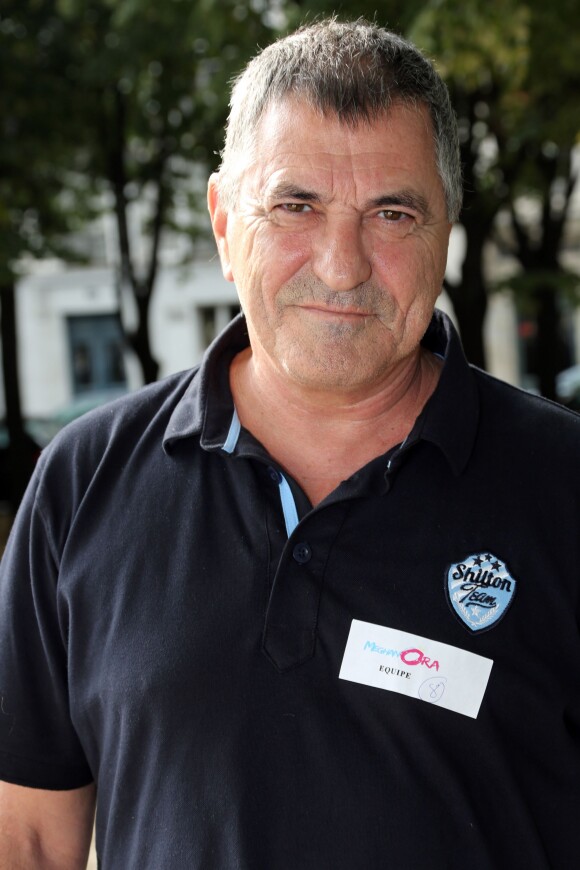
{"x": 215, "y": 318}
{"x": 96, "y": 353}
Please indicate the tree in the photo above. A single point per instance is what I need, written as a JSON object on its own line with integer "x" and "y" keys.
{"x": 154, "y": 82}
{"x": 482, "y": 51}
{"x": 544, "y": 283}
{"x": 35, "y": 158}
{"x": 397, "y": 15}
{"x": 547, "y": 179}
{"x": 504, "y": 64}
{"x": 107, "y": 101}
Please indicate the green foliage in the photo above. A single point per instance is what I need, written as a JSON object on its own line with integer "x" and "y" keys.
{"x": 37, "y": 138}
{"x": 512, "y": 70}
{"x": 554, "y": 74}
{"x": 110, "y": 92}
{"x": 153, "y": 79}
{"x": 483, "y": 52}
{"x": 476, "y": 44}
{"x": 114, "y": 103}
{"x": 397, "y": 15}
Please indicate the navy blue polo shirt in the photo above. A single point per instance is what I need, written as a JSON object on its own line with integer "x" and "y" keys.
{"x": 174, "y": 617}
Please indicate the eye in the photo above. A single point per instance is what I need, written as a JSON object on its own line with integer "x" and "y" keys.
{"x": 394, "y": 216}
{"x": 395, "y": 224}
{"x": 295, "y": 207}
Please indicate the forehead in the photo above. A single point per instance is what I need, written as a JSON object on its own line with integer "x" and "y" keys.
{"x": 295, "y": 141}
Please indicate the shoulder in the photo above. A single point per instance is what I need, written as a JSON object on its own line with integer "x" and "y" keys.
{"x": 525, "y": 420}
{"x": 150, "y": 406}
{"x": 102, "y": 462}
{"x": 133, "y": 425}
{"x": 500, "y": 392}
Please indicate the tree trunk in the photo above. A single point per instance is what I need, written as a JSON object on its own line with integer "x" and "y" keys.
{"x": 21, "y": 452}
{"x": 470, "y": 310}
{"x": 140, "y": 340}
{"x": 469, "y": 296}
{"x": 551, "y": 353}
{"x": 142, "y": 290}
{"x": 548, "y": 342}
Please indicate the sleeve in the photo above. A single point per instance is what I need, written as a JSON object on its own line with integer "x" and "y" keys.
{"x": 39, "y": 746}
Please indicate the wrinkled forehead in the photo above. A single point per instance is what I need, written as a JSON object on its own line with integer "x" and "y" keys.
{"x": 297, "y": 141}
{"x": 301, "y": 116}
{"x": 294, "y": 121}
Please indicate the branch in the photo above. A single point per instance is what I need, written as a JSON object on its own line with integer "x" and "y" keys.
{"x": 572, "y": 180}
{"x": 523, "y": 248}
{"x": 118, "y": 180}
{"x": 553, "y": 222}
{"x": 158, "y": 220}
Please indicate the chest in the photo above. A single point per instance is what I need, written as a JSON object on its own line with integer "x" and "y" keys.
{"x": 204, "y": 583}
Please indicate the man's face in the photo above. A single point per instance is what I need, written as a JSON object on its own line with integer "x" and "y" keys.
{"x": 337, "y": 244}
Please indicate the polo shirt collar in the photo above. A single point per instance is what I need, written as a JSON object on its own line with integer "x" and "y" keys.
{"x": 449, "y": 419}
{"x": 207, "y": 406}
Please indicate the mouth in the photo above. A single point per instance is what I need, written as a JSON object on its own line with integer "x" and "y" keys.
{"x": 334, "y": 311}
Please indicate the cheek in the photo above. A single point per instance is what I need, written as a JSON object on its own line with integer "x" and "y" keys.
{"x": 396, "y": 268}
{"x": 245, "y": 264}
{"x": 265, "y": 261}
{"x": 411, "y": 271}
{"x": 286, "y": 255}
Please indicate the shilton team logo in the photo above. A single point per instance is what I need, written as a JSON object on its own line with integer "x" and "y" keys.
{"x": 480, "y": 590}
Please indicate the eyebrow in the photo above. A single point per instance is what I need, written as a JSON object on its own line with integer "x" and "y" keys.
{"x": 402, "y": 198}
{"x": 292, "y": 191}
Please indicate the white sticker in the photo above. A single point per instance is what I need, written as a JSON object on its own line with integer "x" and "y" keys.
{"x": 415, "y": 666}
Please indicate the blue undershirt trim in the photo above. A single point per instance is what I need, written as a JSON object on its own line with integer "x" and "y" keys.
{"x": 286, "y": 497}
{"x": 288, "y": 505}
{"x": 233, "y": 434}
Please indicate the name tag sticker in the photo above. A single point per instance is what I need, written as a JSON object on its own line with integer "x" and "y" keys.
{"x": 415, "y": 666}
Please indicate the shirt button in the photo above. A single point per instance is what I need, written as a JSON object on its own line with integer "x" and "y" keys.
{"x": 274, "y": 475}
{"x": 302, "y": 553}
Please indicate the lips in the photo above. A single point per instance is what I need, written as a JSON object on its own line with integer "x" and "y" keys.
{"x": 340, "y": 312}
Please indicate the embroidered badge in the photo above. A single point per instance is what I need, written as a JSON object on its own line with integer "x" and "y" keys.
{"x": 480, "y": 589}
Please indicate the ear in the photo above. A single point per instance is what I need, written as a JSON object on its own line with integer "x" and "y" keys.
{"x": 219, "y": 222}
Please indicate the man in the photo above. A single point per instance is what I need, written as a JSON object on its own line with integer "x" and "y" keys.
{"x": 315, "y": 604}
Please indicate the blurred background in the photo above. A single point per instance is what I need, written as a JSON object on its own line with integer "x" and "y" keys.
{"x": 111, "y": 119}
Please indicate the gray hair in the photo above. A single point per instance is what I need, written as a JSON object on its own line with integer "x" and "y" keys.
{"x": 355, "y": 70}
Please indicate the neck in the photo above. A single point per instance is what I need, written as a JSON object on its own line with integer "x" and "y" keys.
{"x": 321, "y": 438}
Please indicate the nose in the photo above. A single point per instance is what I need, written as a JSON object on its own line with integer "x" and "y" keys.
{"x": 339, "y": 257}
